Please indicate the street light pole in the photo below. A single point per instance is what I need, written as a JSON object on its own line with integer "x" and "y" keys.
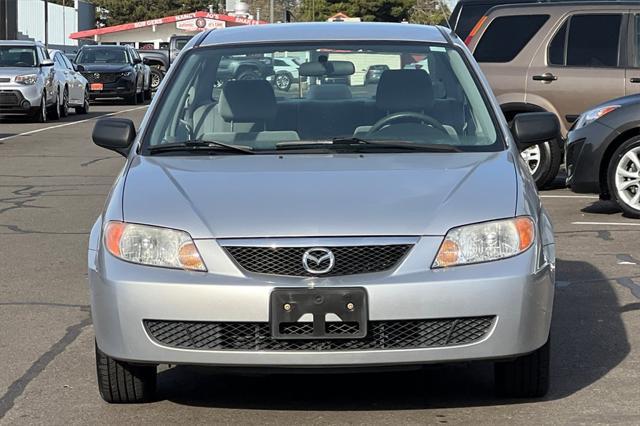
{"x": 46, "y": 23}
{"x": 271, "y": 11}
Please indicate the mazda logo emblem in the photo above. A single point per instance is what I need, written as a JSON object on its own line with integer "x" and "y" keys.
{"x": 96, "y": 75}
{"x": 318, "y": 260}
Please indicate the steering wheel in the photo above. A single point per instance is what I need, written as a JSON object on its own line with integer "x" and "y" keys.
{"x": 401, "y": 115}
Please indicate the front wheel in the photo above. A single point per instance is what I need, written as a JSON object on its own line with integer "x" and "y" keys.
{"x": 624, "y": 177}
{"x": 84, "y": 109}
{"x": 156, "y": 78}
{"x": 524, "y": 377}
{"x": 64, "y": 108}
{"x": 543, "y": 161}
{"x": 41, "y": 115}
{"x": 124, "y": 383}
{"x": 283, "y": 81}
{"x": 55, "y": 112}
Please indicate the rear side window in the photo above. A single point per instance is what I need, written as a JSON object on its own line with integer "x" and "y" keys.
{"x": 469, "y": 15}
{"x": 587, "y": 41}
{"x": 506, "y": 36}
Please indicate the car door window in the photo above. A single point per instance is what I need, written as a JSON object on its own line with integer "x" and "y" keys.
{"x": 67, "y": 62}
{"x": 58, "y": 61}
{"x": 588, "y": 40}
{"x": 506, "y": 36}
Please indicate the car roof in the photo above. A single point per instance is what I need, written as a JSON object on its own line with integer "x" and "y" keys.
{"x": 324, "y": 31}
{"x": 19, "y": 43}
{"x": 103, "y": 46}
{"x": 552, "y": 5}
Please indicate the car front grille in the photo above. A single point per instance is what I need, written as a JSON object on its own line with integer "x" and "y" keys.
{"x": 9, "y": 98}
{"x": 349, "y": 260}
{"x": 101, "y": 77}
{"x": 256, "y": 336}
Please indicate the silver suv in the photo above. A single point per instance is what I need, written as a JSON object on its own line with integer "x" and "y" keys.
{"x": 27, "y": 81}
{"x": 389, "y": 223}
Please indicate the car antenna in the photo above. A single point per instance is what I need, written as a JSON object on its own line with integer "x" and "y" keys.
{"x": 446, "y": 18}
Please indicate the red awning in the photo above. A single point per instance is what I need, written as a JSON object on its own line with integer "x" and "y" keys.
{"x": 166, "y": 20}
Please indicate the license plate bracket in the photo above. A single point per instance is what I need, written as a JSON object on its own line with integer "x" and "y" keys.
{"x": 349, "y": 305}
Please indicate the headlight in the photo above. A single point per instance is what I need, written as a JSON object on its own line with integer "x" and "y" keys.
{"x": 154, "y": 246}
{"x": 594, "y": 114}
{"x": 27, "y": 79}
{"x": 484, "y": 242}
{"x": 125, "y": 74}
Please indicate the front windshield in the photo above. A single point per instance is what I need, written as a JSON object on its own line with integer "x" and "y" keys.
{"x": 425, "y": 95}
{"x": 18, "y": 56}
{"x": 102, "y": 55}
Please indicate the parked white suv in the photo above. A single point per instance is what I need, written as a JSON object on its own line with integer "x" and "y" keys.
{"x": 27, "y": 81}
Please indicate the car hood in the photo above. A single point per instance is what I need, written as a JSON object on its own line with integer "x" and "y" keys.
{"x": 106, "y": 67}
{"x": 14, "y": 71}
{"x": 320, "y": 195}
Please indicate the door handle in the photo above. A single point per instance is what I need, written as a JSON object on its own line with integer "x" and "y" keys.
{"x": 547, "y": 76}
{"x": 634, "y": 79}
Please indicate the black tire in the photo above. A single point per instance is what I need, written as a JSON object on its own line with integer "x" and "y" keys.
{"x": 64, "y": 109}
{"x": 41, "y": 115}
{"x": 524, "y": 377}
{"x": 54, "y": 112}
{"x": 156, "y": 78}
{"x": 141, "y": 97}
{"x": 147, "y": 94}
{"x": 618, "y": 155}
{"x": 550, "y": 160}
{"x": 283, "y": 81}
{"x": 249, "y": 74}
{"x": 123, "y": 383}
{"x": 84, "y": 109}
{"x": 133, "y": 99}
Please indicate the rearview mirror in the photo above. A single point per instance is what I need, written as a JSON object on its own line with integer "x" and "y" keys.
{"x": 137, "y": 60}
{"x": 116, "y": 134}
{"x": 532, "y": 128}
{"x": 78, "y": 67}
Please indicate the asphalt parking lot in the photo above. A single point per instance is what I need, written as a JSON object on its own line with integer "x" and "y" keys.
{"x": 53, "y": 182}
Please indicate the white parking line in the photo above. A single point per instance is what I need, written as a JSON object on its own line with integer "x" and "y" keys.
{"x": 591, "y": 197}
{"x": 607, "y": 223}
{"x": 30, "y": 132}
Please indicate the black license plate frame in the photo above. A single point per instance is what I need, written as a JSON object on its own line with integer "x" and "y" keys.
{"x": 349, "y": 304}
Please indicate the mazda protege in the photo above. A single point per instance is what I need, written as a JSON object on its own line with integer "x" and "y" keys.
{"x": 335, "y": 224}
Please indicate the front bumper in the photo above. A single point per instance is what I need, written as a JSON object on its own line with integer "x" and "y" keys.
{"x": 124, "y": 295}
{"x": 120, "y": 88}
{"x": 583, "y": 155}
{"x": 18, "y": 99}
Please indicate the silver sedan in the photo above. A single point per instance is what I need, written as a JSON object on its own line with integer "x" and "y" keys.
{"x": 71, "y": 84}
{"x": 323, "y": 227}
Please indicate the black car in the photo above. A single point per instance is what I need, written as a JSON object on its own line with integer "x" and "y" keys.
{"x": 373, "y": 73}
{"x": 603, "y": 153}
{"x": 112, "y": 71}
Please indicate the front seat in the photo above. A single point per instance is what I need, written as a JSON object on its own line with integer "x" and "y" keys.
{"x": 244, "y": 106}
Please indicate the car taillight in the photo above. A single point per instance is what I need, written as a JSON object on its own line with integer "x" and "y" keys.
{"x": 474, "y": 30}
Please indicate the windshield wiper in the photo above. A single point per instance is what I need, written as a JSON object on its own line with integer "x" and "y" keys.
{"x": 198, "y": 146}
{"x": 359, "y": 143}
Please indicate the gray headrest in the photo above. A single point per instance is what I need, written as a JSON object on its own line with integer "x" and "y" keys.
{"x": 404, "y": 90}
{"x": 329, "y": 91}
{"x": 247, "y": 101}
{"x": 329, "y": 68}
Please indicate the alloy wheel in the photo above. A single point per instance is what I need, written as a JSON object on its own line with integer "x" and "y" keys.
{"x": 155, "y": 81}
{"x": 627, "y": 178}
{"x": 532, "y": 156}
{"x": 283, "y": 82}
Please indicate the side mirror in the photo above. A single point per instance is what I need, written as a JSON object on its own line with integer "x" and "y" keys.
{"x": 145, "y": 61}
{"x": 532, "y": 128}
{"x": 46, "y": 63}
{"x": 116, "y": 134}
{"x": 78, "y": 67}
{"x": 137, "y": 60}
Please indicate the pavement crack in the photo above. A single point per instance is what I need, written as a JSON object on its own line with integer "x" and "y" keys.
{"x": 84, "y": 308}
{"x": 17, "y": 388}
{"x": 17, "y": 230}
{"x": 628, "y": 282}
{"x": 96, "y": 160}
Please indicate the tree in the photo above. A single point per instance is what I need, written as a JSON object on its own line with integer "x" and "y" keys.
{"x": 432, "y": 12}
{"x": 367, "y": 10}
